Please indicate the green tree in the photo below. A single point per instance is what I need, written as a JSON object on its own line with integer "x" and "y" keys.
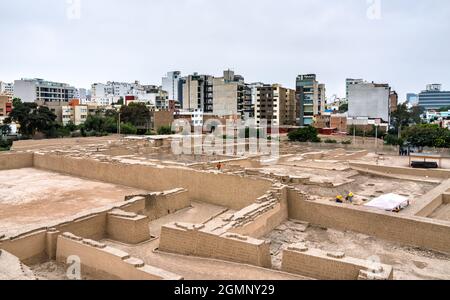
{"x": 32, "y": 118}
{"x": 427, "y": 135}
{"x": 135, "y": 113}
{"x": 165, "y": 130}
{"x": 306, "y": 134}
{"x": 343, "y": 108}
{"x": 128, "y": 128}
{"x": 5, "y": 129}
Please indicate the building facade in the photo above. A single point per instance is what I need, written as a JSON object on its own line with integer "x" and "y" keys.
{"x": 42, "y": 91}
{"x": 369, "y": 100}
{"x": 6, "y": 89}
{"x": 198, "y": 92}
{"x": 434, "y": 98}
{"x": 310, "y": 98}
{"x": 275, "y": 104}
{"x": 172, "y": 83}
{"x": 5, "y": 105}
{"x": 231, "y": 96}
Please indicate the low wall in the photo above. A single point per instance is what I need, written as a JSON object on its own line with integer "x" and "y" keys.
{"x": 29, "y": 248}
{"x": 234, "y": 192}
{"x": 431, "y": 201}
{"x": 13, "y": 160}
{"x": 414, "y": 231}
{"x": 158, "y": 205}
{"x": 433, "y": 173}
{"x": 127, "y": 228}
{"x": 259, "y": 224}
{"x": 321, "y": 265}
{"x": 99, "y": 260}
{"x": 189, "y": 239}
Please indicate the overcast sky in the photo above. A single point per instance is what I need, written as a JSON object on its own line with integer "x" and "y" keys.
{"x": 407, "y": 44}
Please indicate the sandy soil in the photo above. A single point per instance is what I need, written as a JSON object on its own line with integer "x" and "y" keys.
{"x": 31, "y": 198}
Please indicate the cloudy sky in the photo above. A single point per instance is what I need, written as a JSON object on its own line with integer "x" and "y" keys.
{"x": 404, "y": 43}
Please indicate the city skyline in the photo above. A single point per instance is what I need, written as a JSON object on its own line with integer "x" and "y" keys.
{"x": 101, "y": 41}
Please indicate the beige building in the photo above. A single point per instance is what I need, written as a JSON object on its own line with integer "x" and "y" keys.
{"x": 231, "y": 96}
{"x": 198, "y": 92}
{"x": 275, "y": 104}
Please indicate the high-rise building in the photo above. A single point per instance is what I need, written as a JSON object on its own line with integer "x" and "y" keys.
{"x": 434, "y": 98}
{"x": 198, "y": 92}
{"x": 349, "y": 82}
{"x": 369, "y": 100}
{"x": 393, "y": 101}
{"x": 231, "y": 96}
{"x": 173, "y": 85}
{"x": 6, "y": 88}
{"x": 42, "y": 91}
{"x": 310, "y": 98}
{"x": 275, "y": 104}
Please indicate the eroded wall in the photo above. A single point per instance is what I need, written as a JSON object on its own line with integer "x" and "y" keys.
{"x": 9, "y": 161}
{"x": 234, "y": 192}
{"x": 414, "y": 231}
{"x": 101, "y": 261}
{"x": 189, "y": 239}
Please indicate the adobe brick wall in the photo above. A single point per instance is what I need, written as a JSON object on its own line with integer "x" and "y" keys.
{"x": 100, "y": 260}
{"x": 158, "y": 205}
{"x": 234, "y": 192}
{"x": 270, "y": 218}
{"x": 410, "y": 230}
{"x": 28, "y": 248}
{"x": 318, "y": 264}
{"x": 433, "y": 173}
{"x": 127, "y": 228}
{"x": 189, "y": 239}
{"x": 19, "y": 160}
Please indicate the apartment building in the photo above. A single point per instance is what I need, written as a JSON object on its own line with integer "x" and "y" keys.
{"x": 369, "y": 100}
{"x": 5, "y": 105}
{"x": 42, "y": 91}
{"x": 172, "y": 83}
{"x": 310, "y": 98}
{"x": 6, "y": 89}
{"x": 275, "y": 104}
{"x": 232, "y": 97}
{"x": 198, "y": 92}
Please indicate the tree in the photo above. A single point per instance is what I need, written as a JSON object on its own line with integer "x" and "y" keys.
{"x": 306, "y": 134}
{"x": 343, "y": 108}
{"x": 32, "y": 118}
{"x": 427, "y": 135}
{"x": 128, "y": 128}
{"x": 5, "y": 129}
{"x": 135, "y": 113}
{"x": 403, "y": 117}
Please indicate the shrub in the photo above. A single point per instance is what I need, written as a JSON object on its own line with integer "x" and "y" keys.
{"x": 128, "y": 128}
{"x": 348, "y": 142}
{"x": 329, "y": 141}
{"x": 306, "y": 134}
{"x": 165, "y": 130}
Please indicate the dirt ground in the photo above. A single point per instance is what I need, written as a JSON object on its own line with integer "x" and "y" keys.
{"x": 31, "y": 198}
{"x": 409, "y": 263}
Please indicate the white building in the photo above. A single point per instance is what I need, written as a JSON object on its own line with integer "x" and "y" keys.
{"x": 6, "y": 88}
{"x": 39, "y": 90}
{"x": 369, "y": 100}
{"x": 173, "y": 85}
